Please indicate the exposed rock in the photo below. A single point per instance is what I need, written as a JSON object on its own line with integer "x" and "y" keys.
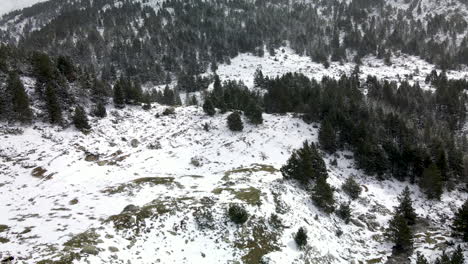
{"x": 130, "y": 208}
{"x": 134, "y": 143}
{"x": 198, "y": 161}
{"x": 155, "y": 145}
{"x": 113, "y": 249}
{"x": 90, "y": 157}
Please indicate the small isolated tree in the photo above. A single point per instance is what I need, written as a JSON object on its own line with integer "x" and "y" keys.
{"x": 460, "y": 222}
{"x": 80, "y": 119}
{"x": 405, "y": 208}
{"x": 52, "y": 104}
{"x": 301, "y": 238}
{"x": 344, "y": 212}
{"x": 234, "y": 122}
{"x": 238, "y": 214}
{"x": 305, "y": 165}
{"x": 327, "y": 137}
{"x": 322, "y": 195}
{"x": 100, "y": 110}
{"x": 400, "y": 233}
{"x": 352, "y": 188}
{"x": 208, "y": 107}
{"x": 431, "y": 182}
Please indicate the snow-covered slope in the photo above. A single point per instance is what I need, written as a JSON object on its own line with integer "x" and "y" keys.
{"x": 7, "y": 6}
{"x": 403, "y": 67}
{"x": 139, "y": 186}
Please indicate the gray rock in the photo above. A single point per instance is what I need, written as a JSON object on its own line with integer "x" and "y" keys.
{"x": 130, "y": 208}
{"x": 113, "y": 249}
{"x": 134, "y": 143}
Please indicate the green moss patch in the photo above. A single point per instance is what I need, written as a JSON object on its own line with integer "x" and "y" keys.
{"x": 139, "y": 183}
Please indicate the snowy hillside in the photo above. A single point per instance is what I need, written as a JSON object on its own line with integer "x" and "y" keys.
{"x": 402, "y": 68}
{"x": 136, "y": 187}
{"x": 10, "y": 5}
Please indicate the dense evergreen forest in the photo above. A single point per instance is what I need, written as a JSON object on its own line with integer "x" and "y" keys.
{"x": 187, "y": 38}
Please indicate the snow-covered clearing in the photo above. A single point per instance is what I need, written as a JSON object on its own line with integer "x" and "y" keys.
{"x": 404, "y": 67}
{"x": 56, "y": 185}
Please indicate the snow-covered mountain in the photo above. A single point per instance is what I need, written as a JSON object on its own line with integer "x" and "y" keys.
{"x": 137, "y": 187}
{"x": 10, "y": 5}
{"x": 153, "y": 181}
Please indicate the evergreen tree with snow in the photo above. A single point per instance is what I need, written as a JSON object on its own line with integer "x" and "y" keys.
{"x": 457, "y": 256}
{"x": 100, "y": 110}
{"x": 20, "y": 100}
{"x": 208, "y": 107}
{"x": 327, "y": 136}
{"x": 420, "y": 259}
{"x": 322, "y": 195}
{"x": 352, "y": 188}
{"x": 305, "y": 165}
{"x": 400, "y": 233}
{"x": 405, "y": 207}
{"x": 234, "y": 122}
{"x": 119, "y": 99}
{"x": 80, "y": 119}
{"x": 254, "y": 113}
{"x": 259, "y": 80}
{"x": 460, "y": 222}
{"x": 52, "y": 104}
{"x": 344, "y": 212}
{"x": 301, "y": 238}
{"x": 431, "y": 182}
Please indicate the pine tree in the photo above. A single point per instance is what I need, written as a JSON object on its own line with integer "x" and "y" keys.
{"x": 53, "y": 107}
{"x": 420, "y": 259}
{"x": 322, "y": 195}
{"x": 327, "y": 137}
{"x": 344, "y": 212}
{"x": 400, "y": 233}
{"x": 352, "y": 188}
{"x": 460, "y": 221}
{"x": 443, "y": 259}
{"x": 100, "y": 110}
{"x": 258, "y": 78}
{"x": 119, "y": 99}
{"x": 301, "y": 238}
{"x": 20, "y": 100}
{"x": 80, "y": 119}
{"x": 217, "y": 88}
{"x": 457, "y": 256}
{"x": 431, "y": 182}
{"x": 254, "y": 113}
{"x": 234, "y": 122}
{"x": 168, "y": 96}
{"x": 208, "y": 107}
{"x": 305, "y": 165}
{"x": 405, "y": 208}
{"x": 238, "y": 214}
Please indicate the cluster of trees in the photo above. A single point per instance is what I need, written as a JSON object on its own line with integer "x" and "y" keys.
{"x": 306, "y": 165}
{"x": 234, "y": 96}
{"x": 401, "y": 227}
{"x": 403, "y": 132}
{"x": 52, "y": 94}
{"x": 186, "y": 39}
